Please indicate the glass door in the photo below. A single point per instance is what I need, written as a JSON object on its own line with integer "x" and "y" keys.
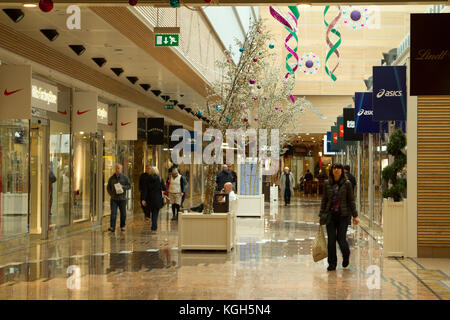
{"x": 40, "y": 178}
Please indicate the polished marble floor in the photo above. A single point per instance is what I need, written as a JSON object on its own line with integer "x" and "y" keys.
{"x": 271, "y": 260}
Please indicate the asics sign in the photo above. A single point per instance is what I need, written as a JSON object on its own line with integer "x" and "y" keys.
{"x": 389, "y": 93}
{"x": 365, "y": 112}
{"x": 385, "y": 93}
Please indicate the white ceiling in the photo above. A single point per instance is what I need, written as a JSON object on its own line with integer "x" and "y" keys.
{"x": 102, "y": 40}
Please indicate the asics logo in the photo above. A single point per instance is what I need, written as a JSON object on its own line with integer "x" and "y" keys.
{"x": 365, "y": 112}
{"x": 385, "y": 93}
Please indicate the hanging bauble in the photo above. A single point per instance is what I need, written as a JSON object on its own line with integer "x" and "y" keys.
{"x": 132, "y": 2}
{"x": 200, "y": 113}
{"x": 276, "y": 108}
{"x": 260, "y": 53}
{"x": 174, "y": 3}
{"x": 228, "y": 119}
{"x": 208, "y": 1}
{"x": 309, "y": 63}
{"x": 258, "y": 86}
{"x": 265, "y": 98}
{"x": 46, "y": 5}
{"x": 218, "y": 108}
{"x": 241, "y": 49}
{"x": 355, "y": 18}
{"x": 259, "y": 31}
{"x": 255, "y": 59}
{"x": 245, "y": 119}
{"x": 271, "y": 46}
{"x": 256, "y": 119}
{"x": 255, "y": 98}
{"x": 252, "y": 81}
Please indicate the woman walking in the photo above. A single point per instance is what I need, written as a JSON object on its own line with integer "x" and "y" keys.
{"x": 177, "y": 185}
{"x": 336, "y": 210}
{"x": 152, "y": 195}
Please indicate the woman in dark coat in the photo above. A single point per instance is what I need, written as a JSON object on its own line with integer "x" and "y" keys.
{"x": 337, "y": 208}
{"x": 152, "y": 195}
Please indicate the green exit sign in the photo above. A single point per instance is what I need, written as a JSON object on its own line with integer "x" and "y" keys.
{"x": 168, "y": 106}
{"x": 166, "y": 40}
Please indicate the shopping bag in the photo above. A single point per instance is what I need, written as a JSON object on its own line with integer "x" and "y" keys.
{"x": 118, "y": 187}
{"x": 319, "y": 246}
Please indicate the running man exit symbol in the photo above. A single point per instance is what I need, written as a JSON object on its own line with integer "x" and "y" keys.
{"x": 166, "y": 40}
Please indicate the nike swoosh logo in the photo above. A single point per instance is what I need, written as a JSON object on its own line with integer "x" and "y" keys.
{"x": 11, "y": 92}
{"x": 81, "y": 112}
{"x": 124, "y": 124}
{"x": 63, "y": 112}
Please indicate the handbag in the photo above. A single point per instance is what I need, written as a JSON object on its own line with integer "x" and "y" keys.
{"x": 319, "y": 246}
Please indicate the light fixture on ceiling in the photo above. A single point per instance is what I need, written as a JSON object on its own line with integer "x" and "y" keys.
{"x": 78, "y": 49}
{"x": 133, "y": 80}
{"x": 156, "y": 92}
{"x": 304, "y": 5}
{"x": 30, "y": 5}
{"x": 14, "y": 14}
{"x": 145, "y": 86}
{"x": 175, "y": 102}
{"x": 50, "y": 34}
{"x": 165, "y": 98}
{"x": 188, "y": 110}
{"x": 99, "y": 61}
{"x": 117, "y": 71}
{"x": 181, "y": 106}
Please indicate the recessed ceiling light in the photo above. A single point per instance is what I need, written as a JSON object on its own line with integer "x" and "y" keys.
{"x": 99, "y": 61}
{"x": 50, "y": 34}
{"x": 117, "y": 71}
{"x": 14, "y": 14}
{"x": 78, "y": 49}
{"x": 30, "y": 5}
{"x": 133, "y": 80}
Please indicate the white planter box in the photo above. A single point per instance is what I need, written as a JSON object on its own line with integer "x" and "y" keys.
{"x": 198, "y": 231}
{"x": 250, "y": 206}
{"x": 394, "y": 228}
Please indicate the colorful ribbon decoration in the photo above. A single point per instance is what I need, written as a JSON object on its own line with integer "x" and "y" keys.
{"x": 292, "y": 29}
{"x": 333, "y": 48}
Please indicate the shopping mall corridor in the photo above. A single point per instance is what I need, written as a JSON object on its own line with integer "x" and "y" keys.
{"x": 271, "y": 260}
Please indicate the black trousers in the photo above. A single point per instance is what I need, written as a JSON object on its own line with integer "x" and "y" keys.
{"x": 155, "y": 212}
{"x": 146, "y": 210}
{"x": 287, "y": 196}
{"x": 337, "y": 232}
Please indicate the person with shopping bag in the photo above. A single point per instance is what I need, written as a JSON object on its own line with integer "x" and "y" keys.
{"x": 336, "y": 210}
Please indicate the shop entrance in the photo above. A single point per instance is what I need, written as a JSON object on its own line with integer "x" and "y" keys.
{"x": 40, "y": 178}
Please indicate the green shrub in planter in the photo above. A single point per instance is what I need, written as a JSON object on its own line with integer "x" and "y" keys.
{"x": 396, "y": 144}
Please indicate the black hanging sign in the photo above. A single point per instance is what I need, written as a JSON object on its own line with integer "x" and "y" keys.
{"x": 155, "y": 131}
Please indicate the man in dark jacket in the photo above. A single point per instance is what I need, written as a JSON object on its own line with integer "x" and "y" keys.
{"x": 223, "y": 177}
{"x": 142, "y": 182}
{"x": 350, "y": 176}
{"x": 308, "y": 176}
{"x": 118, "y": 184}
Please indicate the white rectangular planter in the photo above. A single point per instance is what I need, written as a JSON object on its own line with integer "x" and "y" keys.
{"x": 394, "y": 228}
{"x": 198, "y": 231}
{"x": 250, "y": 206}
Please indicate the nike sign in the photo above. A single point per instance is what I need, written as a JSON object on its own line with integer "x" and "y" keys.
{"x": 81, "y": 112}
{"x": 63, "y": 112}
{"x": 6, "y": 93}
{"x": 124, "y": 124}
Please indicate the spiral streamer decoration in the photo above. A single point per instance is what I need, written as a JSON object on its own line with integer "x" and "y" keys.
{"x": 333, "y": 48}
{"x": 292, "y": 29}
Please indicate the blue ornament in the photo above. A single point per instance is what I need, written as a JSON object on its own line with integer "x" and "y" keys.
{"x": 228, "y": 119}
{"x": 271, "y": 46}
{"x": 259, "y": 87}
{"x": 241, "y": 49}
{"x": 200, "y": 113}
{"x": 218, "y": 108}
{"x": 260, "y": 53}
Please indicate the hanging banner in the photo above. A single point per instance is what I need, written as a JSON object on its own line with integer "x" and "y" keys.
{"x": 15, "y": 92}
{"x": 340, "y": 129}
{"x": 126, "y": 123}
{"x": 102, "y": 113}
{"x": 430, "y": 54}
{"x": 349, "y": 126}
{"x": 44, "y": 96}
{"x": 171, "y": 130}
{"x": 155, "y": 131}
{"x": 84, "y": 112}
{"x": 141, "y": 128}
{"x": 389, "y": 93}
{"x": 364, "y": 114}
{"x": 334, "y": 138}
{"x": 327, "y": 148}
